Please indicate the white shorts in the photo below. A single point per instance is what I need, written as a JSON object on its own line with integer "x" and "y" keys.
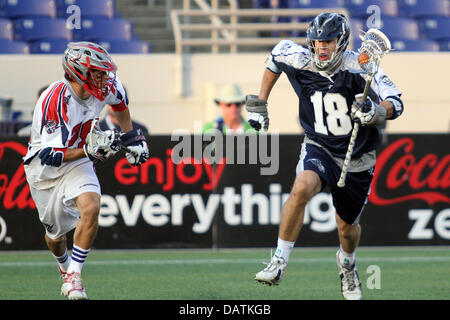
{"x": 56, "y": 205}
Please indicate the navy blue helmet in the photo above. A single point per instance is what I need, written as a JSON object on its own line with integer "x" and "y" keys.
{"x": 326, "y": 27}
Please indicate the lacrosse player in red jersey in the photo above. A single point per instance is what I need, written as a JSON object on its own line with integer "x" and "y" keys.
{"x": 64, "y": 145}
{"x": 329, "y": 81}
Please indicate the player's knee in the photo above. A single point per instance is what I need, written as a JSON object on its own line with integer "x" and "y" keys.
{"x": 57, "y": 241}
{"x": 301, "y": 193}
{"x": 348, "y": 231}
{"x": 90, "y": 212}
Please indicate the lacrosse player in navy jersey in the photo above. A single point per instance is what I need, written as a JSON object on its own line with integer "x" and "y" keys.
{"x": 63, "y": 147}
{"x": 329, "y": 83}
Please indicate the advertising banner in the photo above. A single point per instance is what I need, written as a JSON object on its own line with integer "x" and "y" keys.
{"x": 180, "y": 198}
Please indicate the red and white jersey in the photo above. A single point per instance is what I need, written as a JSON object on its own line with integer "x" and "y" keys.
{"x": 62, "y": 120}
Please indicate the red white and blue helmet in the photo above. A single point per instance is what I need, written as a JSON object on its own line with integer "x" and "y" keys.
{"x": 81, "y": 58}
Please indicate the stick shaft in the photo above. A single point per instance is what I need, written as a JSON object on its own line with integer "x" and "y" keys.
{"x": 351, "y": 145}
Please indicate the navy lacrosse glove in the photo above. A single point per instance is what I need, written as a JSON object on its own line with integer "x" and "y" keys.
{"x": 136, "y": 145}
{"x": 258, "y": 116}
{"x": 51, "y": 157}
{"x": 367, "y": 113}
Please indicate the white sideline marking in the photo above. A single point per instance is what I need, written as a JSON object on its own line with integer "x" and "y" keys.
{"x": 226, "y": 261}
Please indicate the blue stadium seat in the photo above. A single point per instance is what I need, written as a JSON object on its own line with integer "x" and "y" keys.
{"x": 89, "y": 8}
{"x": 125, "y": 46}
{"x": 358, "y": 8}
{"x": 93, "y": 29}
{"x": 13, "y": 47}
{"x": 357, "y": 26}
{"x": 444, "y": 44}
{"x": 6, "y": 30}
{"x": 50, "y": 46}
{"x": 422, "y": 8}
{"x": 305, "y": 4}
{"x": 316, "y": 3}
{"x": 434, "y": 28}
{"x": 30, "y": 29}
{"x": 22, "y": 8}
{"x": 415, "y": 45}
{"x": 356, "y": 43}
{"x": 400, "y": 28}
{"x": 261, "y": 4}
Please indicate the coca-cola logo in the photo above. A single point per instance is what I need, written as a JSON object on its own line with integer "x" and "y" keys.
{"x": 14, "y": 190}
{"x": 425, "y": 178}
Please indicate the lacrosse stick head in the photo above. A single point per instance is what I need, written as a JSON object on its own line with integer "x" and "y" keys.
{"x": 374, "y": 46}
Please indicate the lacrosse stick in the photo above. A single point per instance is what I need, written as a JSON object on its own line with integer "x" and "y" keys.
{"x": 101, "y": 140}
{"x": 374, "y": 46}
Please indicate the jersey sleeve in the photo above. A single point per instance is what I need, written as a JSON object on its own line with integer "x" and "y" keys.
{"x": 287, "y": 56}
{"x": 388, "y": 91}
{"x": 117, "y": 97}
{"x": 54, "y": 124}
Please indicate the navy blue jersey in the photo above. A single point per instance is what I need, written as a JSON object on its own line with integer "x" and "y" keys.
{"x": 325, "y": 100}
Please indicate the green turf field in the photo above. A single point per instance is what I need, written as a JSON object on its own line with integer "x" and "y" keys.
{"x": 405, "y": 273}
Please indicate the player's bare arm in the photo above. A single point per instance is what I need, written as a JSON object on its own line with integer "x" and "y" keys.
{"x": 389, "y": 108}
{"x": 268, "y": 81}
{"x": 124, "y": 119}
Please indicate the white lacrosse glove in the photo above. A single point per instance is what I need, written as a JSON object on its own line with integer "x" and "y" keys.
{"x": 136, "y": 147}
{"x": 367, "y": 113}
{"x": 101, "y": 145}
{"x": 257, "y": 114}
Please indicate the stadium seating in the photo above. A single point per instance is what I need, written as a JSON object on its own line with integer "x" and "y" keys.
{"x": 422, "y": 8}
{"x": 358, "y": 8}
{"x": 89, "y": 8}
{"x": 316, "y": 3}
{"x": 6, "y": 30}
{"x": 357, "y": 26}
{"x": 52, "y": 46}
{"x": 125, "y": 46}
{"x": 434, "y": 28}
{"x": 400, "y": 28}
{"x": 444, "y": 44}
{"x": 25, "y": 8}
{"x": 31, "y": 29}
{"x": 415, "y": 45}
{"x": 266, "y": 4}
{"x": 93, "y": 29}
{"x": 13, "y": 47}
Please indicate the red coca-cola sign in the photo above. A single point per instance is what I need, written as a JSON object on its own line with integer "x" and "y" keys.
{"x": 14, "y": 190}
{"x": 425, "y": 177}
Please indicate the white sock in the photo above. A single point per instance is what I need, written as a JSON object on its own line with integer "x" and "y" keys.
{"x": 79, "y": 256}
{"x": 284, "y": 249}
{"x": 346, "y": 259}
{"x": 63, "y": 261}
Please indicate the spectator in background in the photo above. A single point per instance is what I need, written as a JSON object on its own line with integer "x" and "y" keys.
{"x": 230, "y": 100}
{"x": 110, "y": 122}
{"x": 26, "y": 131}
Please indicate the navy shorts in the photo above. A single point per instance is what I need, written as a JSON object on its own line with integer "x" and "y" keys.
{"x": 348, "y": 201}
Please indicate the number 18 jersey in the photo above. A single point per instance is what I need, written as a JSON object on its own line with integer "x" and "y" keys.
{"x": 325, "y": 100}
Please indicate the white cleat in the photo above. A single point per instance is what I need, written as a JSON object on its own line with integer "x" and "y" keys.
{"x": 350, "y": 283}
{"x": 65, "y": 287}
{"x": 273, "y": 273}
{"x": 73, "y": 287}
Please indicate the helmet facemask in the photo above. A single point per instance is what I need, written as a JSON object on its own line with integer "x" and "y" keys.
{"x": 82, "y": 60}
{"x": 327, "y": 27}
{"x": 330, "y": 63}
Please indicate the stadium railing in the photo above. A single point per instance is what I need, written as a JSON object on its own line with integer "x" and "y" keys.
{"x": 224, "y": 29}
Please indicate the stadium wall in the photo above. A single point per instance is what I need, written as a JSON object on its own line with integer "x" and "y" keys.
{"x": 151, "y": 84}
